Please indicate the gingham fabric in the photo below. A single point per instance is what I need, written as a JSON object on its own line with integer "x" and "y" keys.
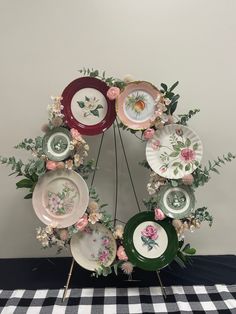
{"x": 180, "y": 299}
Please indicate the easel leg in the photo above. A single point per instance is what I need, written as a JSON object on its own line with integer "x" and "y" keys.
{"x": 68, "y": 280}
{"x": 163, "y": 290}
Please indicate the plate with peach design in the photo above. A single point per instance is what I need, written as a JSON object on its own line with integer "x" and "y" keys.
{"x": 93, "y": 247}
{"x": 136, "y": 105}
{"x": 150, "y": 244}
{"x": 60, "y": 198}
{"x": 174, "y": 151}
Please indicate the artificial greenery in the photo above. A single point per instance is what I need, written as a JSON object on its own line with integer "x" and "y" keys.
{"x": 201, "y": 174}
{"x": 168, "y": 93}
{"x": 31, "y": 171}
{"x": 110, "y": 81}
{"x": 201, "y": 214}
{"x": 151, "y": 203}
{"x": 34, "y": 145}
{"x": 183, "y": 118}
{"x": 86, "y": 168}
{"x": 184, "y": 254}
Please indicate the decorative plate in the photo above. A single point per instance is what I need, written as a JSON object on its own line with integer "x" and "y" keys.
{"x": 86, "y": 106}
{"x": 174, "y": 151}
{"x": 93, "y": 246}
{"x": 135, "y": 106}
{"x": 56, "y": 144}
{"x": 176, "y": 202}
{"x": 150, "y": 244}
{"x": 60, "y": 198}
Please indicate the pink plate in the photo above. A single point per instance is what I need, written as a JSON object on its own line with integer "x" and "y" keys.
{"x": 86, "y": 106}
{"x": 60, "y": 198}
{"x": 136, "y": 105}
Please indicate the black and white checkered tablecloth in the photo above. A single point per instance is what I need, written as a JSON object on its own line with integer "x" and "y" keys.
{"x": 180, "y": 299}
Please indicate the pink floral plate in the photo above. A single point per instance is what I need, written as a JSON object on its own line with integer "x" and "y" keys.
{"x": 136, "y": 105}
{"x": 60, "y": 198}
{"x": 174, "y": 151}
{"x": 150, "y": 244}
{"x": 86, "y": 106}
{"x": 93, "y": 247}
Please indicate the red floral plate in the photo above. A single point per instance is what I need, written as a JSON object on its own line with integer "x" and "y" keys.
{"x": 86, "y": 106}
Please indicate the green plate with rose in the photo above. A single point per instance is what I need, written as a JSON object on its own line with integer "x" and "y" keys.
{"x": 176, "y": 202}
{"x": 150, "y": 244}
{"x": 56, "y": 144}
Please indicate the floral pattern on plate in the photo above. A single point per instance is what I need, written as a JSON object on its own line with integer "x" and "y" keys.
{"x": 93, "y": 247}
{"x": 150, "y": 239}
{"x": 62, "y": 203}
{"x": 56, "y": 144}
{"x": 60, "y": 198}
{"x": 105, "y": 250}
{"x": 174, "y": 151}
{"x": 90, "y": 106}
{"x": 176, "y": 202}
{"x": 148, "y": 236}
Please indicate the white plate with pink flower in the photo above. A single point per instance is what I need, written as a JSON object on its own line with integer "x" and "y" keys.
{"x": 93, "y": 247}
{"x": 174, "y": 151}
{"x": 60, "y": 198}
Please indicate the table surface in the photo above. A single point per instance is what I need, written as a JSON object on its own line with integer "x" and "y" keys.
{"x": 36, "y": 286}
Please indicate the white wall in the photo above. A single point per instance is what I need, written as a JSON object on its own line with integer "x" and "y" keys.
{"x": 44, "y": 43}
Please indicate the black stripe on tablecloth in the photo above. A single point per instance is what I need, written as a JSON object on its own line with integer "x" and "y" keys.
{"x": 51, "y": 273}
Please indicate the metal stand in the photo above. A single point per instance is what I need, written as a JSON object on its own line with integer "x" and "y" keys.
{"x": 68, "y": 280}
{"x": 116, "y": 199}
{"x": 163, "y": 290}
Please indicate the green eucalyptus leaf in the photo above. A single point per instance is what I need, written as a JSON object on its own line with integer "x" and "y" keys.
{"x": 164, "y": 86}
{"x": 215, "y": 170}
{"x": 28, "y": 196}
{"x": 190, "y": 251}
{"x": 115, "y": 266}
{"x": 173, "y": 86}
{"x": 24, "y": 183}
{"x": 173, "y": 107}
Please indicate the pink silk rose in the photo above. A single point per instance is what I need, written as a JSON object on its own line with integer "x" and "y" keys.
{"x": 159, "y": 215}
{"x": 150, "y": 232}
{"x": 82, "y": 223}
{"x": 148, "y": 134}
{"x": 121, "y": 254}
{"x": 187, "y": 155}
{"x": 113, "y": 93}
{"x": 51, "y": 165}
{"x": 63, "y": 234}
{"x": 187, "y": 179}
{"x": 75, "y": 134}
